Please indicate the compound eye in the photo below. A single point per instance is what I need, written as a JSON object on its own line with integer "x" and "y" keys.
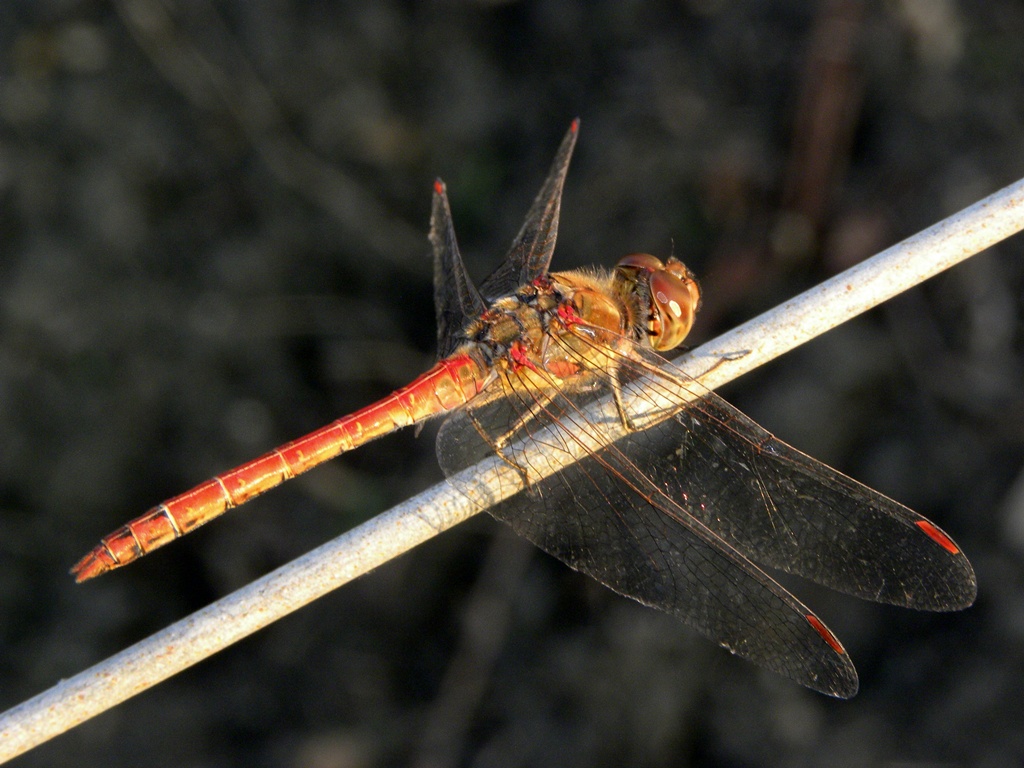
{"x": 675, "y": 298}
{"x": 640, "y": 261}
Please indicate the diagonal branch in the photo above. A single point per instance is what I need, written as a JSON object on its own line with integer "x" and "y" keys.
{"x": 394, "y": 532}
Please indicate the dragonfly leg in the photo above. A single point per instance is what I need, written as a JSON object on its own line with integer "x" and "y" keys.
{"x": 539, "y": 401}
{"x": 726, "y": 357}
{"x": 620, "y": 406}
{"x": 498, "y": 446}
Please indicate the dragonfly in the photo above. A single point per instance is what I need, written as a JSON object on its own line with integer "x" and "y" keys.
{"x": 686, "y": 508}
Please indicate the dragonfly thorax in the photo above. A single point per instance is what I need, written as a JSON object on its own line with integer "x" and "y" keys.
{"x": 558, "y": 323}
{"x": 641, "y": 300}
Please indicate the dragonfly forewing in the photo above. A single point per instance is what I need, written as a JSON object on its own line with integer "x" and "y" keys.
{"x": 786, "y": 510}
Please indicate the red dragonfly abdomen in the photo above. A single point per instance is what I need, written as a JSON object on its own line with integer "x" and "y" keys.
{"x": 449, "y": 384}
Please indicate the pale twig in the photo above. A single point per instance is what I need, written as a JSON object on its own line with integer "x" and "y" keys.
{"x": 441, "y": 507}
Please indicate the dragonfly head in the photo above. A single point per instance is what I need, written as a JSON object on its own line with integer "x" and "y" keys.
{"x": 667, "y": 294}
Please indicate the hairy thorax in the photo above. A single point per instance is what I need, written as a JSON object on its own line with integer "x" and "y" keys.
{"x": 559, "y": 325}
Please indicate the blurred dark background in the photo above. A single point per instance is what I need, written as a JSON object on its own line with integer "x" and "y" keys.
{"x": 213, "y": 239}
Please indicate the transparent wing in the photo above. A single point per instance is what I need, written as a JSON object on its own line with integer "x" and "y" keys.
{"x": 456, "y": 299}
{"x": 534, "y": 246}
{"x": 676, "y": 514}
{"x": 788, "y": 511}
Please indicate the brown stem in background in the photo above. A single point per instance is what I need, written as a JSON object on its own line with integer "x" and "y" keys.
{"x": 227, "y": 82}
